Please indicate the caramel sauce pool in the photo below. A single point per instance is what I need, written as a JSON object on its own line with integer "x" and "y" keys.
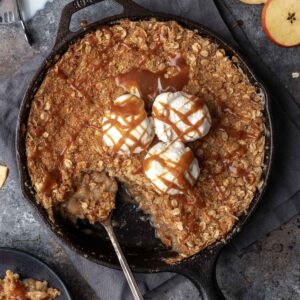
{"x": 18, "y": 291}
{"x": 150, "y": 84}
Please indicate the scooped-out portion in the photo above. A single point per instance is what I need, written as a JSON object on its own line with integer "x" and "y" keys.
{"x": 93, "y": 197}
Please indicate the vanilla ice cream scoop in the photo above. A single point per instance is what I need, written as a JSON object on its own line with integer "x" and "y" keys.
{"x": 126, "y": 127}
{"x": 180, "y": 116}
{"x": 171, "y": 167}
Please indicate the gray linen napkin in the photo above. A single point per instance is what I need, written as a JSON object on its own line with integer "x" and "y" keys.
{"x": 280, "y": 202}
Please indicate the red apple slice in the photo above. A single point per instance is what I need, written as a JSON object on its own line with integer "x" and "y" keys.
{"x": 281, "y": 22}
{"x": 253, "y": 1}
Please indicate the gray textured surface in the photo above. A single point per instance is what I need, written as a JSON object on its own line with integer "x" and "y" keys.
{"x": 282, "y": 61}
{"x": 269, "y": 269}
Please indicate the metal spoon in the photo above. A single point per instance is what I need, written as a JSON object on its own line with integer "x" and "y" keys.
{"x": 117, "y": 191}
{"x": 123, "y": 262}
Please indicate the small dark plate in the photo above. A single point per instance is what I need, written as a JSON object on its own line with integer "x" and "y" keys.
{"x": 29, "y": 266}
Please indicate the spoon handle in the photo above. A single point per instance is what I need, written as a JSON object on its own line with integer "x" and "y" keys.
{"x": 123, "y": 262}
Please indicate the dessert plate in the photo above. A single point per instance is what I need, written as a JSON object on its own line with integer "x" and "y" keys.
{"x": 29, "y": 266}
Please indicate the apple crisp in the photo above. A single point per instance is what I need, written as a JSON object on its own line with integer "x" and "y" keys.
{"x": 65, "y": 146}
{"x": 11, "y": 287}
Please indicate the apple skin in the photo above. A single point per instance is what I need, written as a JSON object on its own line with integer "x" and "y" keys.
{"x": 264, "y": 26}
{"x": 266, "y": 31}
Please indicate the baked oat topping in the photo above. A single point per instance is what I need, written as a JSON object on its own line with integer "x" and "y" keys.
{"x": 145, "y": 58}
{"x": 12, "y": 288}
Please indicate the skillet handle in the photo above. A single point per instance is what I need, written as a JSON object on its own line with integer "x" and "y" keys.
{"x": 202, "y": 272}
{"x": 129, "y": 9}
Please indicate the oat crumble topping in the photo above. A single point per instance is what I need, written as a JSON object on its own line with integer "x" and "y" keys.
{"x": 64, "y": 139}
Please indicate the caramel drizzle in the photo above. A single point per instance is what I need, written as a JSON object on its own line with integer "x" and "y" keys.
{"x": 237, "y": 134}
{"x": 128, "y": 115}
{"x": 178, "y": 169}
{"x": 235, "y": 155}
{"x": 183, "y": 117}
{"x": 150, "y": 84}
{"x": 18, "y": 291}
{"x": 53, "y": 176}
{"x": 228, "y": 163}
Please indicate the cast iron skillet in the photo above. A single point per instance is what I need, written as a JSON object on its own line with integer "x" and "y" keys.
{"x": 144, "y": 252}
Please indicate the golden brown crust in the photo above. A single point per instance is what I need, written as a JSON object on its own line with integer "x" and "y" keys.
{"x": 64, "y": 129}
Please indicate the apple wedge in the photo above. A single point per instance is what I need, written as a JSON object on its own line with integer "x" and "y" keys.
{"x": 3, "y": 175}
{"x": 253, "y": 1}
{"x": 281, "y": 22}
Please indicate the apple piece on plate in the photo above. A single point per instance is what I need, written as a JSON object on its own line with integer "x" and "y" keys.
{"x": 253, "y": 1}
{"x": 281, "y": 22}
